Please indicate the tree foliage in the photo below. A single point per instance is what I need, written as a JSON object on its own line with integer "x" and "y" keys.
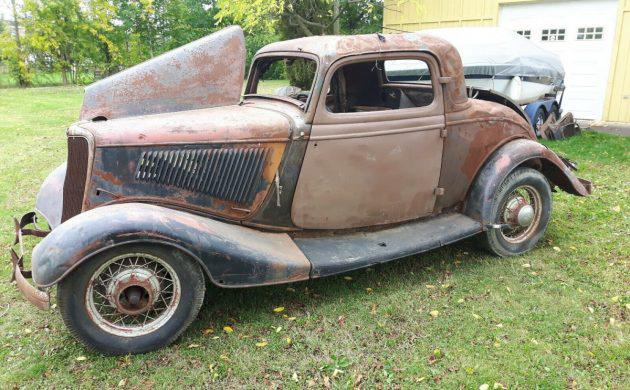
{"x": 88, "y": 39}
{"x": 297, "y": 18}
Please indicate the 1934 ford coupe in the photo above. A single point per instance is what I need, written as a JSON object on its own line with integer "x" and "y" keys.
{"x": 373, "y": 152}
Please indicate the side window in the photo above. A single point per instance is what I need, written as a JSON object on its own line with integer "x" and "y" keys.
{"x": 380, "y": 85}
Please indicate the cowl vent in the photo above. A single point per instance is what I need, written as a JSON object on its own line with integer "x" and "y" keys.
{"x": 231, "y": 174}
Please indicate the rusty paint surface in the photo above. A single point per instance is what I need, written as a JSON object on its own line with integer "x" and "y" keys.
{"x": 118, "y": 145}
{"x": 204, "y": 73}
{"x": 229, "y": 124}
{"x": 473, "y": 134}
{"x": 233, "y": 255}
{"x": 370, "y": 168}
{"x": 37, "y": 297}
{"x": 331, "y": 48}
{"x": 519, "y": 152}
{"x": 112, "y": 182}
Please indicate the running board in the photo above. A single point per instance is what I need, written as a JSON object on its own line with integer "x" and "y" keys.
{"x": 333, "y": 254}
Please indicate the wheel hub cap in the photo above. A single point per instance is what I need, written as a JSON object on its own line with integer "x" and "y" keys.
{"x": 518, "y": 212}
{"x": 133, "y": 291}
{"x": 525, "y": 215}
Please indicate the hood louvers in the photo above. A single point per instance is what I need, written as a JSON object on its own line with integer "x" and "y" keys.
{"x": 231, "y": 174}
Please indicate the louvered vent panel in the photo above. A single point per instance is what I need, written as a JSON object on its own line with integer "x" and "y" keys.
{"x": 76, "y": 174}
{"x": 228, "y": 174}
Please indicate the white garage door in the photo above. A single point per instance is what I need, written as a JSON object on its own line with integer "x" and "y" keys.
{"x": 581, "y": 32}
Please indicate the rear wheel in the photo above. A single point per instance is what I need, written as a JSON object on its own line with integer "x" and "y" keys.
{"x": 521, "y": 209}
{"x": 131, "y": 299}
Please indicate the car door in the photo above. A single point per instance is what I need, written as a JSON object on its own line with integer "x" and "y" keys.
{"x": 375, "y": 147}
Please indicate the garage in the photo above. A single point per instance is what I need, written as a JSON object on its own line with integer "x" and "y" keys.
{"x": 583, "y": 37}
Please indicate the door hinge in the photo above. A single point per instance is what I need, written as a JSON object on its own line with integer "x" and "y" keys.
{"x": 444, "y": 79}
{"x": 439, "y": 191}
{"x": 443, "y": 133}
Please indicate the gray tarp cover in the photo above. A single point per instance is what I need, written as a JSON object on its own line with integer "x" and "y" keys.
{"x": 495, "y": 51}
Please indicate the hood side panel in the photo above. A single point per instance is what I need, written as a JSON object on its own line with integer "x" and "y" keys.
{"x": 231, "y": 124}
{"x": 208, "y": 72}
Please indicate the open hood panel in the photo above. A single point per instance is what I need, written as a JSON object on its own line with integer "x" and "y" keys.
{"x": 205, "y": 73}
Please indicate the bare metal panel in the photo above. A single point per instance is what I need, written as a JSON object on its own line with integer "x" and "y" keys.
{"x": 205, "y": 73}
{"x": 369, "y": 180}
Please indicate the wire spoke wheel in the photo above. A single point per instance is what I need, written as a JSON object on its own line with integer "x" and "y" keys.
{"x": 133, "y": 294}
{"x": 520, "y": 214}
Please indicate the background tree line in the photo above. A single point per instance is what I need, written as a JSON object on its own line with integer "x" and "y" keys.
{"x": 85, "y": 40}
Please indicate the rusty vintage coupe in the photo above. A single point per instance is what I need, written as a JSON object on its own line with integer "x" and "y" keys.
{"x": 173, "y": 179}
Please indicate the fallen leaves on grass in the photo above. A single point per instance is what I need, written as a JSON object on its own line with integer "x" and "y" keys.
{"x": 193, "y": 346}
{"x": 207, "y": 332}
{"x": 261, "y": 344}
{"x": 279, "y": 309}
{"x": 434, "y": 313}
{"x": 485, "y": 386}
{"x": 80, "y": 358}
{"x": 228, "y": 329}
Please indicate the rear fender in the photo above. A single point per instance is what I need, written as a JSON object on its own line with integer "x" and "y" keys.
{"x": 231, "y": 255}
{"x": 510, "y": 156}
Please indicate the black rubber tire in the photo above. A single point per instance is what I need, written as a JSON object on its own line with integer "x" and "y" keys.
{"x": 71, "y": 300}
{"x": 540, "y": 114}
{"x": 493, "y": 238}
{"x": 555, "y": 112}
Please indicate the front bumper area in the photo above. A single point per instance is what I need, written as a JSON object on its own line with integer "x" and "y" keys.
{"x": 39, "y": 298}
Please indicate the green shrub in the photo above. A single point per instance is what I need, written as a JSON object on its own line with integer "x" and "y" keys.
{"x": 300, "y": 73}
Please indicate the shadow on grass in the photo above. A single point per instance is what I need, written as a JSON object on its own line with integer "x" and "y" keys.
{"x": 251, "y": 306}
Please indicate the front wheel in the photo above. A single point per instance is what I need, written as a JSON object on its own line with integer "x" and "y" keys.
{"x": 131, "y": 299}
{"x": 521, "y": 209}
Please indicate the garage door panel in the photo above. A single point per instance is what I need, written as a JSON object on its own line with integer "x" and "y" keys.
{"x": 586, "y": 62}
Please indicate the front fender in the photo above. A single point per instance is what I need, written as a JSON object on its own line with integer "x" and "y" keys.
{"x": 49, "y": 201}
{"x": 232, "y": 255}
{"x": 521, "y": 152}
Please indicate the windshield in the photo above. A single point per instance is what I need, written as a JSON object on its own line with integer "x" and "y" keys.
{"x": 285, "y": 77}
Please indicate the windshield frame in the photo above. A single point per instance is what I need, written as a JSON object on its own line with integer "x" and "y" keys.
{"x": 253, "y": 78}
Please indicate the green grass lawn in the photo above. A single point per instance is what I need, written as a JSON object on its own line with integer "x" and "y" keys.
{"x": 558, "y": 317}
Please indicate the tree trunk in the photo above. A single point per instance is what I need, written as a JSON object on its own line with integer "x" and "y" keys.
{"x": 16, "y": 26}
{"x": 336, "y": 24}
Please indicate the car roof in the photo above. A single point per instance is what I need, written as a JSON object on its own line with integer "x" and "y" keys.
{"x": 329, "y": 48}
